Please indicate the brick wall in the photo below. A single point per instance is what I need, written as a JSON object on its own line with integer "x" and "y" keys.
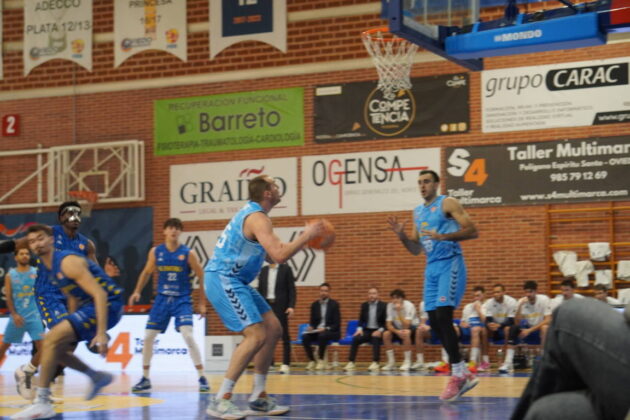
{"x": 512, "y": 242}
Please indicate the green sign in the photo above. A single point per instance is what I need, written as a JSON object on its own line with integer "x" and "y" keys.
{"x": 233, "y": 121}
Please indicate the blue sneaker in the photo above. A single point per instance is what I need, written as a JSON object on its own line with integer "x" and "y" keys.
{"x": 203, "y": 384}
{"x": 143, "y": 385}
{"x": 266, "y": 406}
{"x": 99, "y": 381}
{"x": 224, "y": 408}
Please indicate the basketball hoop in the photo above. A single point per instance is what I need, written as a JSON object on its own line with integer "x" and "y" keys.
{"x": 86, "y": 198}
{"x": 393, "y": 58}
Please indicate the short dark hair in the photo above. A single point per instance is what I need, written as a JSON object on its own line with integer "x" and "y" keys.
{"x": 601, "y": 287}
{"x": 530, "y": 285}
{"x": 38, "y": 227}
{"x": 499, "y": 285}
{"x": 20, "y": 247}
{"x": 436, "y": 177}
{"x": 479, "y": 289}
{"x": 173, "y": 222}
{"x": 65, "y": 204}
{"x": 324, "y": 284}
{"x": 568, "y": 282}
{"x": 397, "y": 293}
{"x": 257, "y": 187}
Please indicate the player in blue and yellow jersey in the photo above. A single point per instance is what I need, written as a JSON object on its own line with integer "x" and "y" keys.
{"x": 20, "y": 298}
{"x": 237, "y": 259}
{"x": 99, "y": 306}
{"x": 173, "y": 261}
{"x": 439, "y": 224}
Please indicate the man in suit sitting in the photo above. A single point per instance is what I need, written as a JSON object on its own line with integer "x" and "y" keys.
{"x": 370, "y": 329}
{"x": 324, "y": 326}
{"x": 276, "y": 284}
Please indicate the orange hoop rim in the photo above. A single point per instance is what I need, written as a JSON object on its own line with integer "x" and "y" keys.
{"x": 89, "y": 196}
{"x": 384, "y": 30}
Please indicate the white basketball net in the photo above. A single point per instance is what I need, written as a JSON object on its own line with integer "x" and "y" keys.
{"x": 393, "y": 58}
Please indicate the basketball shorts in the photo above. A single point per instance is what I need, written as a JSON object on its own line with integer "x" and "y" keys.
{"x": 444, "y": 283}
{"x": 83, "y": 320}
{"x": 397, "y": 339}
{"x": 32, "y": 325}
{"x": 165, "y": 307}
{"x": 239, "y": 305}
{"x": 52, "y": 309}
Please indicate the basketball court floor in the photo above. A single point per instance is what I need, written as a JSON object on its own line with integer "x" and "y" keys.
{"x": 311, "y": 395}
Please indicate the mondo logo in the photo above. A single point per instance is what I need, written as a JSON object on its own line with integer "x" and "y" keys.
{"x": 389, "y": 117}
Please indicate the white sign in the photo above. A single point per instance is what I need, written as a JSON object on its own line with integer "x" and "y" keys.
{"x": 558, "y": 95}
{"x": 170, "y": 353}
{"x": 57, "y": 29}
{"x": 149, "y": 25}
{"x": 247, "y": 20}
{"x": 365, "y": 182}
{"x": 308, "y": 265}
{"x": 217, "y": 190}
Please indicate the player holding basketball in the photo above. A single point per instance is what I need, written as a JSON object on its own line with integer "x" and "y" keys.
{"x": 174, "y": 262}
{"x": 236, "y": 261}
{"x": 439, "y": 224}
{"x": 99, "y": 307}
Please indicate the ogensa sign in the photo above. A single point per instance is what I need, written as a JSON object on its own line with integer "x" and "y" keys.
{"x": 364, "y": 182}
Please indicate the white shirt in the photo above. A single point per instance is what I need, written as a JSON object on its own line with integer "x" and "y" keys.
{"x": 407, "y": 312}
{"x": 612, "y": 301}
{"x": 470, "y": 312}
{"x": 423, "y": 314}
{"x": 535, "y": 314}
{"x": 271, "y": 282}
{"x": 500, "y": 311}
{"x": 559, "y": 299}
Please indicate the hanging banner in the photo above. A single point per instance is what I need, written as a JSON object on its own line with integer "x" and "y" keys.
{"x": 557, "y": 95}
{"x": 233, "y": 21}
{"x": 149, "y": 25}
{"x": 57, "y": 29}
{"x": 365, "y": 182}
{"x": 217, "y": 190}
{"x": 435, "y": 105}
{"x": 233, "y": 121}
{"x": 566, "y": 171}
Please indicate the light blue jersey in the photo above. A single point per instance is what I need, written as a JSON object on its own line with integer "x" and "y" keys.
{"x": 235, "y": 256}
{"x": 23, "y": 294}
{"x": 432, "y": 217}
{"x": 173, "y": 270}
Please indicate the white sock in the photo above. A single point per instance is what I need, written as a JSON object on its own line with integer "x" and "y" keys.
{"x": 260, "y": 382}
{"x": 407, "y": 356}
{"x": 29, "y": 368}
{"x": 459, "y": 369}
{"x": 444, "y": 355}
{"x": 485, "y": 358}
{"x": 147, "y": 350}
{"x": 509, "y": 357}
{"x": 200, "y": 372}
{"x": 43, "y": 395}
{"x": 420, "y": 358}
{"x": 226, "y": 387}
{"x": 390, "y": 357}
{"x": 474, "y": 355}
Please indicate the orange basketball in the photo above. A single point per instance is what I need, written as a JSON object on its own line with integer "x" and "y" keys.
{"x": 326, "y": 239}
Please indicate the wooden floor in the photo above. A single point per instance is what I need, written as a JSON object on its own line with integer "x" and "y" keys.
{"x": 312, "y": 395}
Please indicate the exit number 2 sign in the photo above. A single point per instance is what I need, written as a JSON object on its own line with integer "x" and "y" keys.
{"x": 10, "y": 125}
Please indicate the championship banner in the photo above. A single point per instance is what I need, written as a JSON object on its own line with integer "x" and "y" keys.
{"x": 365, "y": 182}
{"x": 435, "y": 105}
{"x": 567, "y": 171}
{"x": 170, "y": 352}
{"x": 233, "y": 121}
{"x": 57, "y": 29}
{"x": 308, "y": 265}
{"x": 233, "y": 21}
{"x": 557, "y": 95}
{"x": 217, "y": 190}
{"x": 149, "y": 25}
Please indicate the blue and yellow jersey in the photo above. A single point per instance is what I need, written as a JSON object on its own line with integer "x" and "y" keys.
{"x": 63, "y": 242}
{"x": 173, "y": 270}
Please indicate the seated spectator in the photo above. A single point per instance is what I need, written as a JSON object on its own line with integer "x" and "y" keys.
{"x": 567, "y": 289}
{"x": 370, "y": 330}
{"x": 533, "y": 316}
{"x": 499, "y": 312}
{"x": 423, "y": 332}
{"x": 473, "y": 323}
{"x": 324, "y": 326}
{"x": 401, "y": 324}
{"x": 601, "y": 293}
{"x": 584, "y": 371}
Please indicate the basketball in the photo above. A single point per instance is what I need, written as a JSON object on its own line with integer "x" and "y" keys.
{"x": 94, "y": 349}
{"x": 326, "y": 239}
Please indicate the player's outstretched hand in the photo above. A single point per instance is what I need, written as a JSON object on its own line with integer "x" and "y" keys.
{"x": 395, "y": 225}
{"x": 314, "y": 228}
{"x": 135, "y": 297}
{"x": 202, "y": 309}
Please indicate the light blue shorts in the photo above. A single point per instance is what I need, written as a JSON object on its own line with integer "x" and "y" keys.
{"x": 32, "y": 325}
{"x": 239, "y": 305}
{"x": 444, "y": 283}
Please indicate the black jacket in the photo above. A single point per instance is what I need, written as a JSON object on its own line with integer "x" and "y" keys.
{"x": 333, "y": 315}
{"x": 381, "y": 314}
{"x": 285, "y": 286}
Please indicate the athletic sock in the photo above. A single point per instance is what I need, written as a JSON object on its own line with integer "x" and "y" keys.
{"x": 509, "y": 357}
{"x": 459, "y": 369}
{"x": 474, "y": 355}
{"x": 407, "y": 356}
{"x": 260, "y": 381}
{"x": 420, "y": 357}
{"x": 226, "y": 387}
{"x": 29, "y": 368}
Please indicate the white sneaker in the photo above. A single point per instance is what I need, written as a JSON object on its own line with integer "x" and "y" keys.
{"x": 310, "y": 365}
{"x": 350, "y": 366}
{"x": 405, "y": 366}
{"x": 285, "y": 369}
{"x": 389, "y": 366}
{"x": 417, "y": 366}
{"x": 506, "y": 368}
{"x": 374, "y": 367}
{"x": 24, "y": 383}
{"x": 38, "y": 410}
{"x": 321, "y": 365}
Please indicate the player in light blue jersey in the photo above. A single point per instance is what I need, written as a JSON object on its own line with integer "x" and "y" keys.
{"x": 439, "y": 224}
{"x": 173, "y": 261}
{"x": 99, "y": 304}
{"x": 20, "y": 298}
{"x": 237, "y": 259}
